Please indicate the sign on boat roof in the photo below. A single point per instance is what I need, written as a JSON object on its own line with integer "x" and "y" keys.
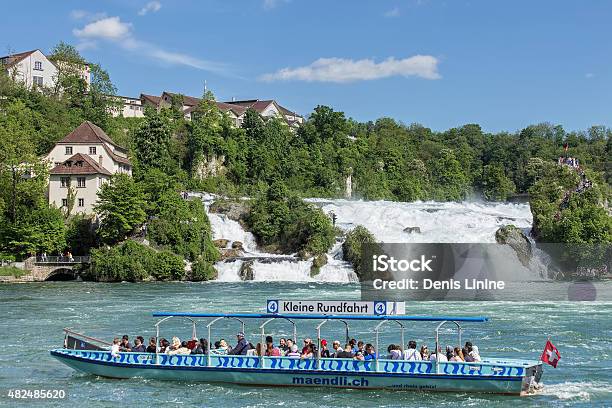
{"x": 334, "y": 307}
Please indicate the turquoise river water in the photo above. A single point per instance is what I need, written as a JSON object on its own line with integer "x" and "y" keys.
{"x": 33, "y": 316}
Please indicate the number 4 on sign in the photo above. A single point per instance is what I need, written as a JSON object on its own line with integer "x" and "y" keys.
{"x": 380, "y": 308}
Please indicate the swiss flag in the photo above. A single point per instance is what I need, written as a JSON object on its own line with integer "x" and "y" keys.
{"x": 551, "y": 354}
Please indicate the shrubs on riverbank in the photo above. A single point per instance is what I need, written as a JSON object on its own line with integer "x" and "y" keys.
{"x": 134, "y": 262}
{"x": 282, "y": 222}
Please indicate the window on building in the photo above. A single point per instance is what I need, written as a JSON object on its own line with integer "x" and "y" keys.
{"x": 38, "y": 66}
{"x": 65, "y": 182}
{"x": 68, "y": 149}
{"x": 81, "y": 182}
{"x": 64, "y": 202}
{"x": 92, "y": 150}
{"x": 37, "y": 80}
{"x": 81, "y": 202}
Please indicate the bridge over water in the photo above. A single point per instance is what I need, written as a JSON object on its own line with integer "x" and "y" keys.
{"x": 44, "y": 268}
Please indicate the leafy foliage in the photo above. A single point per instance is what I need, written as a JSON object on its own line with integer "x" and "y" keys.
{"x": 565, "y": 213}
{"x": 284, "y": 222}
{"x": 134, "y": 262}
{"x": 120, "y": 205}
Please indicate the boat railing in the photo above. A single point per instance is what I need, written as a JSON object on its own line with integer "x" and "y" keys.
{"x": 194, "y": 332}
{"x": 459, "y": 329}
{"x": 318, "y": 360}
{"x": 70, "y": 334}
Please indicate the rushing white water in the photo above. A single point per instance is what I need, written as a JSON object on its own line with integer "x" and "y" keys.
{"x": 438, "y": 222}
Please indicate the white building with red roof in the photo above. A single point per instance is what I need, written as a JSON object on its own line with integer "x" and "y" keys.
{"x": 234, "y": 109}
{"x": 81, "y": 162}
{"x": 33, "y": 68}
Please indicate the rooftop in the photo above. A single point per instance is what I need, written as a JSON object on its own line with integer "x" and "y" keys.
{"x": 79, "y": 164}
{"x": 12, "y": 59}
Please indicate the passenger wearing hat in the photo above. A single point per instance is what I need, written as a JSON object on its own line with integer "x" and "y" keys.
{"x": 324, "y": 349}
{"x": 241, "y": 347}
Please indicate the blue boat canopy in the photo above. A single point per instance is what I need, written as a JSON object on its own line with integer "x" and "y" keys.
{"x": 479, "y": 319}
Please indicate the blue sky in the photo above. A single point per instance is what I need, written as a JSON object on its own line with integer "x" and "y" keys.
{"x": 504, "y": 65}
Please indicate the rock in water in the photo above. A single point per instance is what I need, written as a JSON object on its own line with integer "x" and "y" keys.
{"x": 237, "y": 245}
{"x": 231, "y": 253}
{"x": 246, "y": 272}
{"x": 221, "y": 243}
{"x": 412, "y": 230}
{"x": 516, "y": 239}
{"x": 234, "y": 210}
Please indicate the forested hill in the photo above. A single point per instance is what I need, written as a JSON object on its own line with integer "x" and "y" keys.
{"x": 385, "y": 159}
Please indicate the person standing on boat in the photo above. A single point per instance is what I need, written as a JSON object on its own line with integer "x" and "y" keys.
{"x": 242, "y": 347}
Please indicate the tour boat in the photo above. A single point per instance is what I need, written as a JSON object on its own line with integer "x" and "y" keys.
{"x": 491, "y": 375}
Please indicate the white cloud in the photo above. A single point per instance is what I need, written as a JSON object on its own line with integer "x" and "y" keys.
{"x": 152, "y": 6}
{"x": 270, "y": 4}
{"x": 348, "y": 70}
{"x": 111, "y": 28}
{"x": 114, "y": 31}
{"x": 394, "y": 12}
{"x": 86, "y": 15}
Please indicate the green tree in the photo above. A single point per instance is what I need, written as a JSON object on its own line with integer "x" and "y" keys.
{"x": 152, "y": 140}
{"x": 450, "y": 182}
{"x": 496, "y": 186}
{"x": 121, "y": 207}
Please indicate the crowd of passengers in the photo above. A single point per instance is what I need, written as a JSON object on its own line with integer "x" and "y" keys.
{"x": 354, "y": 349}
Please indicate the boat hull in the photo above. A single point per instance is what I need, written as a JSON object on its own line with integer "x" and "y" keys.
{"x": 142, "y": 366}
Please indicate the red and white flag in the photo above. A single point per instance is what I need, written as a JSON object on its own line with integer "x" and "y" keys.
{"x": 551, "y": 354}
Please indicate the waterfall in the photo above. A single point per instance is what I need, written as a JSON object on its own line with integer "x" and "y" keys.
{"x": 465, "y": 222}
